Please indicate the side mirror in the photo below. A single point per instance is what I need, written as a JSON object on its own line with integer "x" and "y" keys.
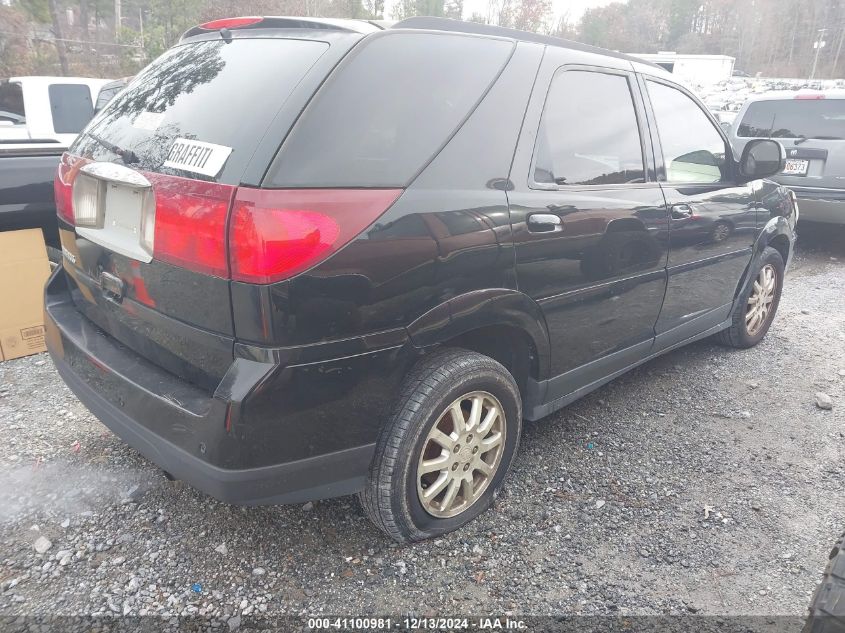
{"x": 761, "y": 158}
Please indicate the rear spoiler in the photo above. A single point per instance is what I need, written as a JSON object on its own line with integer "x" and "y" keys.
{"x": 271, "y": 22}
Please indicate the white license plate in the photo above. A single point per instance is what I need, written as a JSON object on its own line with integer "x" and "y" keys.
{"x": 796, "y": 167}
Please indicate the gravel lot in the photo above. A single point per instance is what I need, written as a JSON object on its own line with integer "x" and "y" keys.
{"x": 707, "y": 481}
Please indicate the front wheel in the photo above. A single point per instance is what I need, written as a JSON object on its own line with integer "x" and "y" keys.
{"x": 757, "y": 304}
{"x": 447, "y": 447}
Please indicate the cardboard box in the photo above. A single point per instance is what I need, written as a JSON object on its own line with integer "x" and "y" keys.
{"x": 24, "y": 269}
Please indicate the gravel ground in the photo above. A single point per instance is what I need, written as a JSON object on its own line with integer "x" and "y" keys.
{"x": 706, "y": 481}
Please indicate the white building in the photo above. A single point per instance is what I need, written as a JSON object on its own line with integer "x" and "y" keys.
{"x": 695, "y": 69}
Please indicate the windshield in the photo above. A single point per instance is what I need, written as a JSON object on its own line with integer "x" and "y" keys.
{"x": 200, "y": 109}
{"x": 795, "y": 118}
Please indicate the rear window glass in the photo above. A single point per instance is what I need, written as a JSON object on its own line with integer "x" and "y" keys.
{"x": 795, "y": 118}
{"x": 201, "y": 107}
{"x": 71, "y": 107}
{"x": 107, "y": 93}
{"x": 387, "y": 110}
{"x": 11, "y": 104}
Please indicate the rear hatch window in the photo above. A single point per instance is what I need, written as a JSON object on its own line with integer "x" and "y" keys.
{"x": 387, "y": 110}
{"x": 200, "y": 106}
{"x": 822, "y": 119}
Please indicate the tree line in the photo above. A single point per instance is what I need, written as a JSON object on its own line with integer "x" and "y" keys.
{"x": 772, "y": 37}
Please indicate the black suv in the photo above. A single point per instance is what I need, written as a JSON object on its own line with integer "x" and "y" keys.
{"x": 309, "y": 258}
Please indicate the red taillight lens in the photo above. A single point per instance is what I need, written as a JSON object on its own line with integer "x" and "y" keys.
{"x": 190, "y": 223}
{"x": 810, "y": 96}
{"x": 230, "y": 23}
{"x": 69, "y": 166}
{"x": 277, "y": 233}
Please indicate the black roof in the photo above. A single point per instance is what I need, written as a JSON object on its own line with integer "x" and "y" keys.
{"x": 422, "y": 23}
{"x": 459, "y": 26}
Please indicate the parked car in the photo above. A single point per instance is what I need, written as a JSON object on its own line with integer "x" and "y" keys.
{"x": 46, "y": 108}
{"x": 27, "y": 170}
{"x": 811, "y": 125}
{"x": 361, "y": 276}
{"x": 39, "y": 117}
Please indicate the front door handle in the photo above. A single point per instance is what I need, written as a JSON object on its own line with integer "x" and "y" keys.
{"x": 681, "y": 211}
{"x": 544, "y": 222}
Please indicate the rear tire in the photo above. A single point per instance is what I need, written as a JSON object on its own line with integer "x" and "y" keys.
{"x": 425, "y": 449}
{"x": 827, "y": 610}
{"x": 747, "y": 326}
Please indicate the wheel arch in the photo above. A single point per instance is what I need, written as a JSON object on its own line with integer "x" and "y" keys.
{"x": 777, "y": 233}
{"x": 505, "y": 324}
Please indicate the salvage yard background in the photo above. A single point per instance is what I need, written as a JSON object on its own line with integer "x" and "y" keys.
{"x": 113, "y": 38}
{"x": 707, "y": 481}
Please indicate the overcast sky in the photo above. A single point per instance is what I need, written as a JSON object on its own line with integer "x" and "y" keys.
{"x": 574, "y": 8}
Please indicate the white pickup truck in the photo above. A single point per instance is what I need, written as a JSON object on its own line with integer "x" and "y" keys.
{"x": 50, "y": 109}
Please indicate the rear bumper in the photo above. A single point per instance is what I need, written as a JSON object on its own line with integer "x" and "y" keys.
{"x": 235, "y": 444}
{"x": 821, "y": 205}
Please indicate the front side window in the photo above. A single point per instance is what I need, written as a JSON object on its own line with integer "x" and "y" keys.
{"x": 693, "y": 150}
{"x": 588, "y": 134}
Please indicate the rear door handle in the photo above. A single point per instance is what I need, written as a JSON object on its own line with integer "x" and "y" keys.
{"x": 544, "y": 222}
{"x": 681, "y": 211}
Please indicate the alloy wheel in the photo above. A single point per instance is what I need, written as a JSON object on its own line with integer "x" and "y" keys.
{"x": 760, "y": 301}
{"x": 721, "y": 232}
{"x": 461, "y": 454}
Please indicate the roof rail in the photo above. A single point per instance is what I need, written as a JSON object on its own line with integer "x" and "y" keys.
{"x": 459, "y": 26}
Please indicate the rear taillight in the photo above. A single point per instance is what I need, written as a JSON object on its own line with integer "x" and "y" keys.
{"x": 809, "y": 96}
{"x": 188, "y": 228}
{"x": 277, "y": 233}
{"x": 87, "y": 201}
{"x": 252, "y": 235}
{"x": 63, "y": 186}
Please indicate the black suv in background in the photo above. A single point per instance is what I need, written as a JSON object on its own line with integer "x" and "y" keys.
{"x": 310, "y": 258}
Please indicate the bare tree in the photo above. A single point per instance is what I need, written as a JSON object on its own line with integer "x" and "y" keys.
{"x": 61, "y": 51}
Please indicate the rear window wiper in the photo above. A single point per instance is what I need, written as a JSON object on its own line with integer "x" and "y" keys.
{"x": 127, "y": 155}
{"x": 800, "y": 139}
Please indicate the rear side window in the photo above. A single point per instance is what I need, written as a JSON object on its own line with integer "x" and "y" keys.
{"x": 71, "y": 107}
{"x": 200, "y": 110}
{"x": 795, "y": 118}
{"x": 589, "y": 133}
{"x": 386, "y": 111}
